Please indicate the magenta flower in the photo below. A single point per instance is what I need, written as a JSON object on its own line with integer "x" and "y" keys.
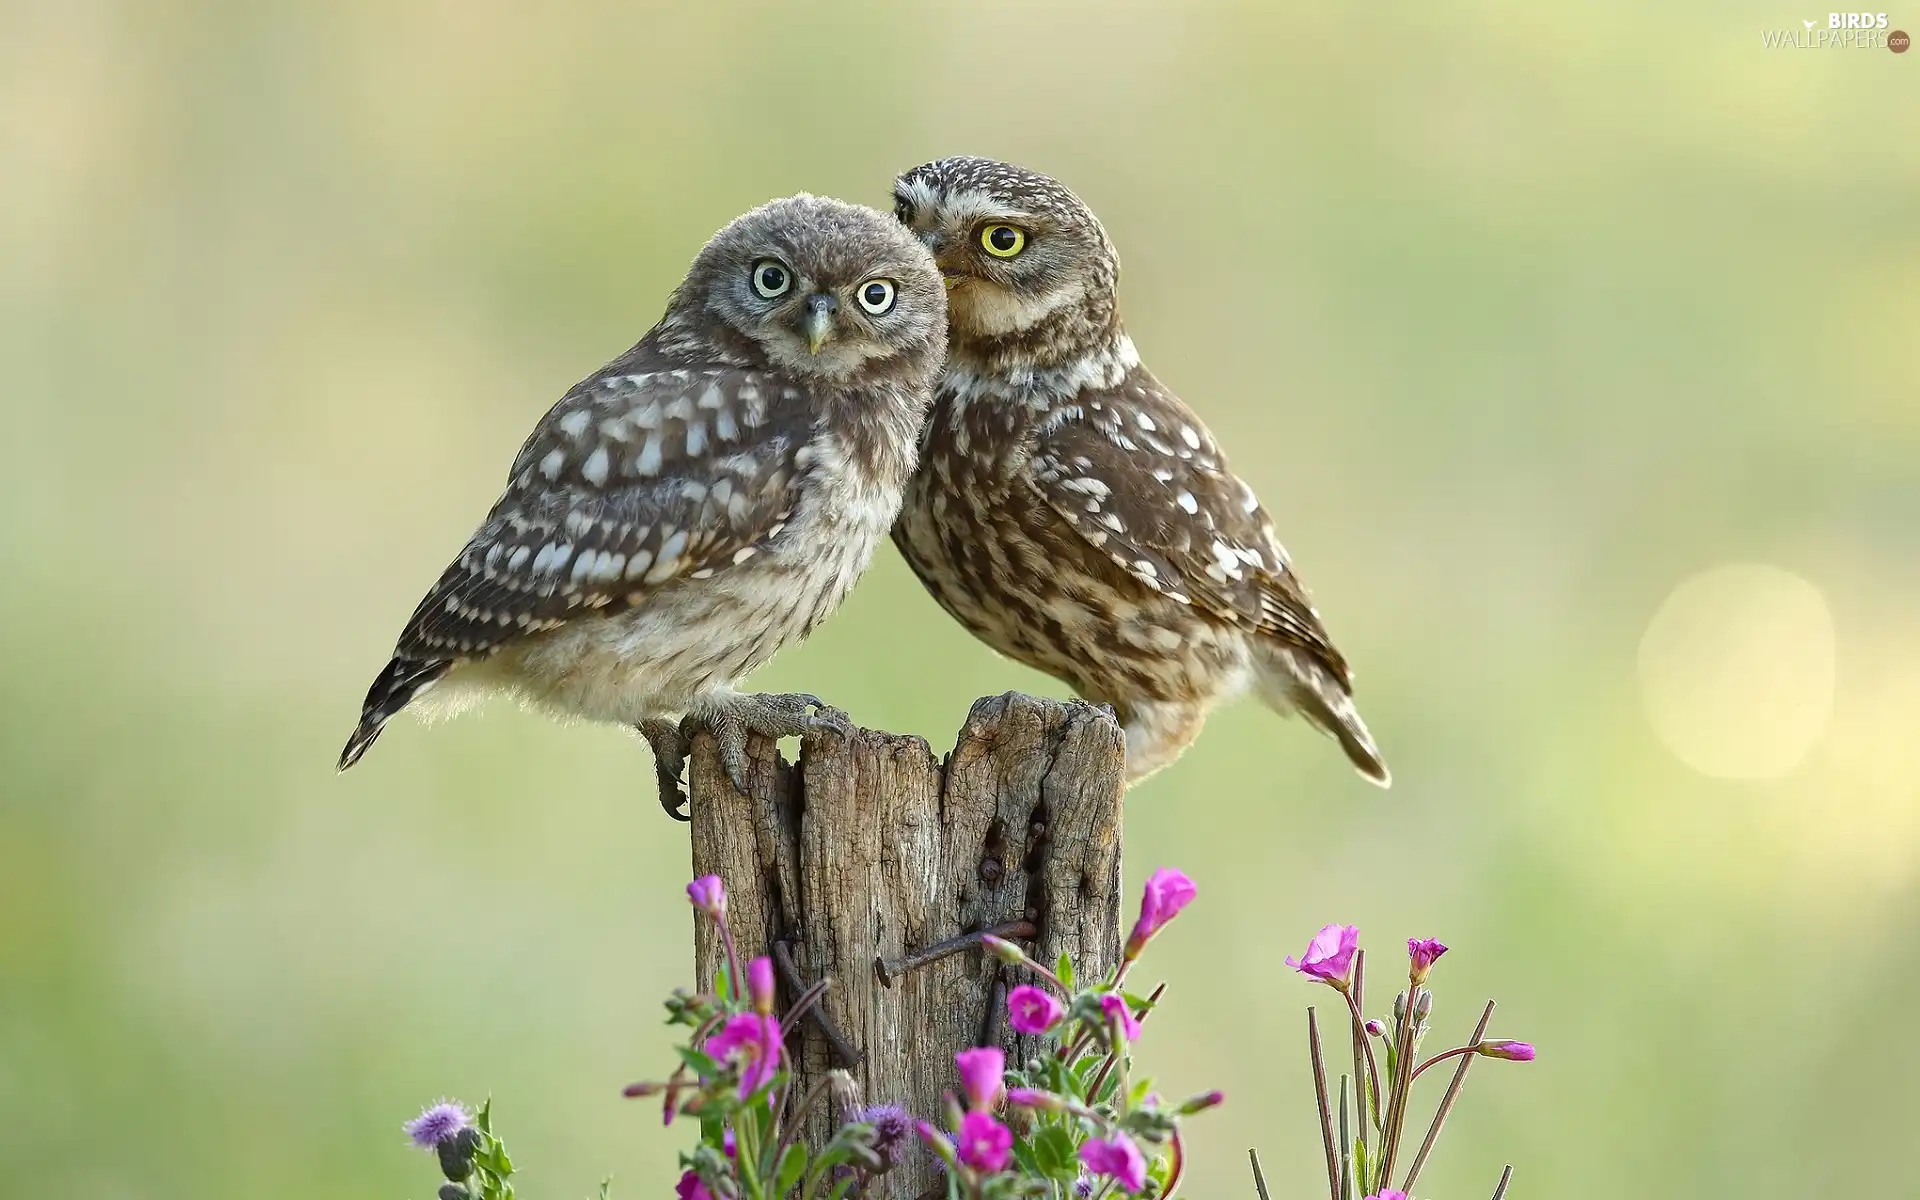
{"x": 1424, "y": 952}
{"x": 1329, "y": 956}
{"x": 1032, "y": 1010}
{"x": 984, "y": 1143}
{"x": 1118, "y": 1158}
{"x": 1389, "y": 1194}
{"x": 760, "y": 984}
{"x": 1376, "y": 1027}
{"x": 690, "y": 1187}
{"x": 709, "y": 895}
{"x": 1167, "y": 892}
{"x": 437, "y": 1124}
{"x": 1114, "y": 1008}
{"x": 1512, "y": 1051}
{"x": 983, "y": 1071}
{"x": 750, "y": 1042}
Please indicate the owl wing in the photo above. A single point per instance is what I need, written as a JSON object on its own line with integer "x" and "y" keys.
{"x": 631, "y": 482}
{"x": 1138, "y": 476}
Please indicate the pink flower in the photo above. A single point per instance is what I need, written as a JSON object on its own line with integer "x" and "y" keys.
{"x": 760, "y": 984}
{"x": 751, "y": 1042}
{"x": 690, "y": 1187}
{"x": 709, "y": 895}
{"x": 1114, "y": 1007}
{"x": 1167, "y": 892}
{"x": 984, "y": 1143}
{"x": 1424, "y": 952}
{"x": 1376, "y": 1027}
{"x": 1512, "y": 1051}
{"x": 1389, "y": 1194}
{"x": 1117, "y": 1157}
{"x": 983, "y": 1070}
{"x": 1329, "y": 957}
{"x": 1032, "y": 1010}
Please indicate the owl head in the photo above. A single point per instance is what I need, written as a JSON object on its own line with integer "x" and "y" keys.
{"x": 825, "y": 290}
{"x": 1021, "y": 255}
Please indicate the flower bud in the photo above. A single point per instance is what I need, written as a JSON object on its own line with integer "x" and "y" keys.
{"x": 456, "y": 1153}
{"x": 1035, "y": 1098}
{"x": 1203, "y": 1102}
{"x": 1511, "y": 1051}
{"x": 1376, "y": 1027}
{"x": 1399, "y": 1007}
{"x": 709, "y": 895}
{"x": 1004, "y": 950}
{"x": 1423, "y": 953}
{"x": 760, "y": 984}
{"x": 1423, "y": 1007}
{"x": 452, "y": 1191}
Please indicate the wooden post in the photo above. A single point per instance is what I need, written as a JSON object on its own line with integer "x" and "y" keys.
{"x": 870, "y": 850}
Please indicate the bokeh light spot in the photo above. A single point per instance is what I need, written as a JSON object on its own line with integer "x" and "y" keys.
{"x": 1737, "y": 670}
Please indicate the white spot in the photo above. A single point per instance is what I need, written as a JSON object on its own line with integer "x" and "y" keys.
{"x": 551, "y": 465}
{"x": 696, "y": 439}
{"x": 1163, "y": 474}
{"x": 453, "y": 606}
{"x": 1187, "y": 502}
{"x": 746, "y": 552}
{"x": 648, "y": 463}
{"x": 611, "y": 565}
{"x": 724, "y": 426}
{"x": 595, "y": 468}
{"x": 1113, "y": 522}
{"x": 711, "y": 398}
{"x": 638, "y": 564}
{"x": 680, "y": 408}
{"x": 1145, "y": 422}
{"x": 1188, "y": 436}
{"x": 722, "y": 492}
{"x": 616, "y": 429}
{"x": 702, "y": 573}
{"x": 520, "y": 556}
{"x": 575, "y": 423}
{"x": 583, "y": 566}
{"x": 1150, "y": 571}
{"x": 667, "y": 564}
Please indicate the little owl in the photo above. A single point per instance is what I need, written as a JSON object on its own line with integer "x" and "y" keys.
{"x": 1069, "y": 510}
{"x": 700, "y": 502}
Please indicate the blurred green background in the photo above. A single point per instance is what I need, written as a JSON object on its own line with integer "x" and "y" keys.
{"x": 1528, "y": 322}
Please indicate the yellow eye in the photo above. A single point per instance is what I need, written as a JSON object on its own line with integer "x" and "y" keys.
{"x": 1003, "y": 241}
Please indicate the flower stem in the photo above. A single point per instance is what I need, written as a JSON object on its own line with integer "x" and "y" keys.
{"x": 1178, "y": 1168}
{"x": 1360, "y": 1031}
{"x": 1506, "y": 1175}
{"x": 1443, "y": 1056}
{"x": 1446, "y": 1101}
{"x": 1369, "y": 1080}
{"x": 1326, "y": 1117}
{"x": 1259, "y": 1177}
{"x": 1402, "y": 1084}
{"x": 733, "y": 961}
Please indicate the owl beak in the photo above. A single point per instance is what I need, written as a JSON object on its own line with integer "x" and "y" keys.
{"x": 818, "y": 323}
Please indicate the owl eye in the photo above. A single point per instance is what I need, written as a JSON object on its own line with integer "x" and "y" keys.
{"x": 771, "y": 278}
{"x": 876, "y": 296}
{"x": 1003, "y": 241}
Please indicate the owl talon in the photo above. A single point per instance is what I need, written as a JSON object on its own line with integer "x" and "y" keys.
{"x": 669, "y": 742}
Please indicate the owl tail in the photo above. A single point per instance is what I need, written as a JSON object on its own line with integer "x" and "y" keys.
{"x": 1290, "y": 682}
{"x": 393, "y": 690}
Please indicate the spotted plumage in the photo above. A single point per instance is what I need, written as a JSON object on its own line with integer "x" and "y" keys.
{"x": 1071, "y": 511}
{"x": 703, "y": 500}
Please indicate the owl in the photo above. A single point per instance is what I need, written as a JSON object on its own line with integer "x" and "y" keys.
{"x": 702, "y": 501}
{"x": 1072, "y": 512}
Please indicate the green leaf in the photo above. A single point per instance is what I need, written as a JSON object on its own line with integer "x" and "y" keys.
{"x": 792, "y": 1164}
{"x": 485, "y": 1119}
{"x": 1063, "y": 967}
{"x": 700, "y": 1063}
{"x": 606, "y": 1187}
{"x": 1055, "y": 1154}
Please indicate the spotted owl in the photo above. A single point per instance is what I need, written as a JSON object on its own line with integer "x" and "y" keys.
{"x": 702, "y": 501}
{"x": 1072, "y": 512}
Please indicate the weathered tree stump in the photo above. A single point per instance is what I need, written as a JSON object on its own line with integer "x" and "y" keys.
{"x": 870, "y": 850}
